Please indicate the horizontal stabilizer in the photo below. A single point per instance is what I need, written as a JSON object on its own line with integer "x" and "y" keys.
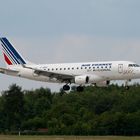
{"x": 7, "y": 71}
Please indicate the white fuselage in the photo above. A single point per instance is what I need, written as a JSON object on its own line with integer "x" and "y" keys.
{"x": 97, "y": 73}
{"x": 102, "y": 71}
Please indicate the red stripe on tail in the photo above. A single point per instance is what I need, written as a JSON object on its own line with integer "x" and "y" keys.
{"x": 7, "y": 59}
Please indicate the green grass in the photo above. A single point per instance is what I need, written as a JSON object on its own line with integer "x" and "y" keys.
{"x": 7, "y": 137}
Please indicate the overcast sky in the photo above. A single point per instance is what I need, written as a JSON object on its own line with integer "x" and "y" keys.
{"x": 52, "y": 31}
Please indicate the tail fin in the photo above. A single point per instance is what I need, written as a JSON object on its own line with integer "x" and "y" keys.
{"x": 11, "y": 55}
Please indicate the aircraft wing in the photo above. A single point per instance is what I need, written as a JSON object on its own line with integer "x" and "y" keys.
{"x": 59, "y": 76}
{"x": 53, "y": 75}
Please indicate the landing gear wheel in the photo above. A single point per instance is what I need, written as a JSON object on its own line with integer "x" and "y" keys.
{"x": 66, "y": 87}
{"x": 80, "y": 88}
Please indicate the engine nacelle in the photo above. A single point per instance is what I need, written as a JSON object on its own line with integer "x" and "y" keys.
{"x": 80, "y": 80}
{"x": 103, "y": 84}
{"x": 87, "y": 79}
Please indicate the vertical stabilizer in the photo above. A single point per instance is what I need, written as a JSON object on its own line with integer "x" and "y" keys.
{"x": 11, "y": 55}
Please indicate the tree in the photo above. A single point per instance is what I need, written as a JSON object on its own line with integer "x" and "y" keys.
{"x": 13, "y": 107}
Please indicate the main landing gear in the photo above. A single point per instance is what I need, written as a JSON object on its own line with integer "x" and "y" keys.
{"x": 80, "y": 89}
{"x": 67, "y": 88}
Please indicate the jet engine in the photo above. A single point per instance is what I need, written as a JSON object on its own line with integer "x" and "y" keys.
{"x": 87, "y": 79}
{"x": 80, "y": 80}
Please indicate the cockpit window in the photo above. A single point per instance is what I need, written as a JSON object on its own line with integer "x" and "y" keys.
{"x": 133, "y": 65}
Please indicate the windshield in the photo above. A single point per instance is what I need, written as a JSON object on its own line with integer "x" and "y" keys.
{"x": 133, "y": 65}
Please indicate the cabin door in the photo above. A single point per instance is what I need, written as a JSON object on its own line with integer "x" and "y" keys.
{"x": 120, "y": 68}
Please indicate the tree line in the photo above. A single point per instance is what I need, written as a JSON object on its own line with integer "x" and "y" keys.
{"x": 96, "y": 111}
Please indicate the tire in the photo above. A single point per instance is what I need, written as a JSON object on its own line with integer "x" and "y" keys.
{"x": 80, "y": 89}
{"x": 66, "y": 87}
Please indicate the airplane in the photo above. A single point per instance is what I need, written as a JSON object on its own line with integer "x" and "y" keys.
{"x": 95, "y": 73}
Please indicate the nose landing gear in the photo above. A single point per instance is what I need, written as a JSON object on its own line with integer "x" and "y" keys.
{"x": 127, "y": 87}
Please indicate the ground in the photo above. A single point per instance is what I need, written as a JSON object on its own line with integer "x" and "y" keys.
{"x": 2, "y": 137}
